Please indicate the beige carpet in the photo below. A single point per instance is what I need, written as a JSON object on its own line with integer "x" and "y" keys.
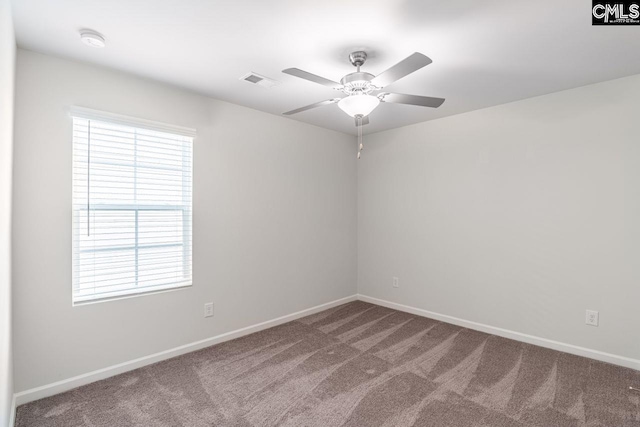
{"x": 356, "y": 365}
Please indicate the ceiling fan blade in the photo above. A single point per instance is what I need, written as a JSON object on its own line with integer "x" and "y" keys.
{"x": 400, "y": 98}
{"x": 365, "y": 121}
{"x": 296, "y": 72}
{"x": 309, "y": 107}
{"x": 405, "y": 67}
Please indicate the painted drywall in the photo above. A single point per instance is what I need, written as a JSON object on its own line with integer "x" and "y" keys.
{"x": 520, "y": 216}
{"x": 7, "y": 68}
{"x": 274, "y": 217}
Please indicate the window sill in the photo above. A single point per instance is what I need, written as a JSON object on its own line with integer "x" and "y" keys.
{"x": 129, "y": 294}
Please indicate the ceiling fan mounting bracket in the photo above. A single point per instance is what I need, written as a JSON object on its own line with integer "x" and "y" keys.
{"x": 358, "y": 58}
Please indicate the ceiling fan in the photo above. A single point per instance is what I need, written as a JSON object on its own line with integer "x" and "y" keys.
{"x": 364, "y": 90}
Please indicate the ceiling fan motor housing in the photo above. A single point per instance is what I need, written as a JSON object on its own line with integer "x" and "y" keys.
{"x": 358, "y": 83}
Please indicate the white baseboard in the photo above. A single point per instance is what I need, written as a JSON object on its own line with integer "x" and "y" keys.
{"x": 12, "y": 414}
{"x": 80, "y": 380}
{"x": 529, "y": 339}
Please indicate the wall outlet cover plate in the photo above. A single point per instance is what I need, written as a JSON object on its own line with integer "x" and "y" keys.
{"x": 592, "y": 318}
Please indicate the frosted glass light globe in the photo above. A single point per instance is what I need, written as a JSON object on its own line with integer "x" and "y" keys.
{"x": 359, "y": 105}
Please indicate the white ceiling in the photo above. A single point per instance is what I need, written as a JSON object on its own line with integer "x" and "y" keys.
{"x": 484, "y": 53}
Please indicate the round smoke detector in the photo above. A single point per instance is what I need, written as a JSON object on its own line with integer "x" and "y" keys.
{"x": 92, "y": 38}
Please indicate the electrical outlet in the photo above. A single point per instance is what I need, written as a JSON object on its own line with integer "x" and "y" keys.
{"x": 592, "y": 318}
{"x": 396, "y": 282}
{"x": 208, "y": 309}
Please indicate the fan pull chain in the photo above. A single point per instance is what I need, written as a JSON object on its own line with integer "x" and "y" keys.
{"x": 360, "y": 145}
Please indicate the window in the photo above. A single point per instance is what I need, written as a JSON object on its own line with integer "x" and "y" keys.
{"x": 132, "y": 186}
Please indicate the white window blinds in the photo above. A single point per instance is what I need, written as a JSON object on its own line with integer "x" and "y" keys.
{"x": 132, "y": 184}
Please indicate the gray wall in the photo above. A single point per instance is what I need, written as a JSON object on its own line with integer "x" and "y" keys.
{"x": 7, "y": 67}
{"x": 519, "y": 216}
{"x": 274, "y": 222}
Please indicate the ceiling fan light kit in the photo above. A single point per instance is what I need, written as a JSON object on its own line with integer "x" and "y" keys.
{"x": 358, "y": 105}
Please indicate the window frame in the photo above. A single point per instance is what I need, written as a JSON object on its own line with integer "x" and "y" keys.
{"x": 187, "y": 228}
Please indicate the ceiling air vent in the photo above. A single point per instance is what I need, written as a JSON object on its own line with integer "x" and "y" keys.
{"x": 259, "y": 80}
